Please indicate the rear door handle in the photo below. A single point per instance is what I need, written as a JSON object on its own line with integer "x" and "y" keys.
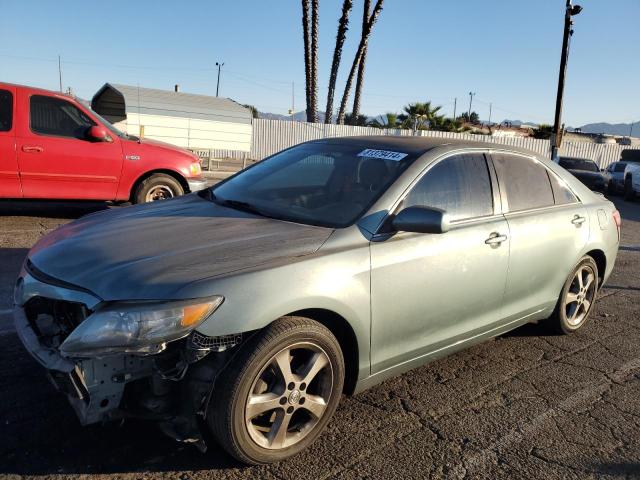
{"x": 495, "y": 239}
{"x": 578, "y": 220}
{"x": 32, "y": 149}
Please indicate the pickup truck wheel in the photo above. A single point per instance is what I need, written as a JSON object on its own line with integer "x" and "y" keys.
{"x": 577, "y": 297}
{"x": 158, "y": 186}
{"x": 628, "y": 188}
{"x": 279, "y": 392}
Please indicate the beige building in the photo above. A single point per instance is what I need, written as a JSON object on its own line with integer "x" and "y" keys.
{"x": 198, "y": 122}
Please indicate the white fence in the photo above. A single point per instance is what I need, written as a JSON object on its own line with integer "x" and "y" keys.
{"x": 271, "y": 136}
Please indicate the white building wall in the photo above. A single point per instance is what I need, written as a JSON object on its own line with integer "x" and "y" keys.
{"x": 189, "y": 132}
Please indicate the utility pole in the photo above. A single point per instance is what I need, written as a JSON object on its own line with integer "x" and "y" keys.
{"x": 471, "y": 94}
{"x": 60, "y": 72}
{"x": 293, "y": 100}
{"x": 556, "y": 138}
{"x": 455, "y": 104}
{"x": 219, "y": 65}
{"x": 490, "y": 106}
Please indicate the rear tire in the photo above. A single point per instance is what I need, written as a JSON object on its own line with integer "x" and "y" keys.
{"x": 629, "y": 194}
{"x": 158, "y": 186}
{"x": 278, "y": 393}
{"x": 577, "y": 298}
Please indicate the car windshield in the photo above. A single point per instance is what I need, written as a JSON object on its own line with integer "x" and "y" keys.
{"x": 579, "y": 164}
{"x": 620, "y": 167}
{"x": 323, "y": 184}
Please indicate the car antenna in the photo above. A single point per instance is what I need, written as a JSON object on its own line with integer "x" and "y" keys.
{"x": 139, "y": 120}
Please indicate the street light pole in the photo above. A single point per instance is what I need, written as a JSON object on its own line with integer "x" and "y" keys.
{"x": 219, "y": 65}
{"x": 471, "y": 94}
{"x": 556, "y": 139}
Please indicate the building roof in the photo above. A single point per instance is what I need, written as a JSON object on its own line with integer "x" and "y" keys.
{"x": 116, "y": 100}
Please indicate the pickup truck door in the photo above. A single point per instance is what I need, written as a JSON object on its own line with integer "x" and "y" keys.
{"x": 55, "y": 157}
{"x": 9, "y": 178}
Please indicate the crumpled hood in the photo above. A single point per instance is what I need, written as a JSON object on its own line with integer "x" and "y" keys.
{"x": 150, "y": 251}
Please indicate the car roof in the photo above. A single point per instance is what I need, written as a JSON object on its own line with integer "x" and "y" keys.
{"x": 417, "y": 145}
{"x": 580, "y": 159}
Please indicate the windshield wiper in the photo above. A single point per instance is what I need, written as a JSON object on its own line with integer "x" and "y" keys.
{"x": 240, "y": 205}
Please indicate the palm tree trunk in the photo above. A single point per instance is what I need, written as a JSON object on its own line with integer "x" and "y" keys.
{"x": 343, "y": 26}
{"x": 363, "y": 44}
{"x": 307, "y": 56}
{"x": 313, "y": 93}
{"x": 363, "y": 60}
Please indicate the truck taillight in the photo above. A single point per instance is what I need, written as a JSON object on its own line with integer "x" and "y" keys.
{"x": 617, "y": 220}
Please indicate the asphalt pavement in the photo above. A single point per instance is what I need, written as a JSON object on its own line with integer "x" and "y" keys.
{"x": 524, "y": 405}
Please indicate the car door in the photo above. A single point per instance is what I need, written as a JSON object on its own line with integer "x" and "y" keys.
{"x": 549, "y": 227}
{"x": 58, "y": 160}
{"x": 9, "y": 178}
{"x": 430, "y": 291}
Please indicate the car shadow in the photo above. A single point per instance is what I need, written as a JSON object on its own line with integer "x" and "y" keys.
{"x": 50, "y": 208}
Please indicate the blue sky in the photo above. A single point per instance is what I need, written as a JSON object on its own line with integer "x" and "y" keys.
{"x": 506, "y": 51}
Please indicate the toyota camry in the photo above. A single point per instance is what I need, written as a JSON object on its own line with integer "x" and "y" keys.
{"x": 248, "y": 309}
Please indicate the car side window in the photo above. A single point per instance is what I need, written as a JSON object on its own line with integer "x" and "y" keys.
{"x": 561, "y": 193}
{"x": 460, "y": 185}
{"x": 57, "y": 117}
{"x": 6, "y": 110}
{"x": 524, "y": 180}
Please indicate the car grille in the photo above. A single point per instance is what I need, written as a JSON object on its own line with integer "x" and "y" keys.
{"x": 53, "y": 320}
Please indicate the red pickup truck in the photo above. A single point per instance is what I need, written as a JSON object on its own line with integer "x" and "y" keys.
{"x": 52, "y": 146}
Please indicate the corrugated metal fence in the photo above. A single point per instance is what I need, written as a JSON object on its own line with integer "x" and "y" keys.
{"x": 271, "y": 136}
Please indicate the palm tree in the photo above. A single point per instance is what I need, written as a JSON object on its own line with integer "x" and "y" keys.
{"x": 313, "y": 93}
{"x": 361, "y": 64}
{"x": 363, "y": 43}
{"x": 343, "y": 26}
{"x": 359, "y": 120}
{"x": 307, "y": 57}
{"x": 388, "y": 120}
{"x": 419, "y": 115}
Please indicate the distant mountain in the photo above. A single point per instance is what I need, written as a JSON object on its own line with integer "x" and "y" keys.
{"x": 621, "y": 129}
{"x": 297, "y": 117}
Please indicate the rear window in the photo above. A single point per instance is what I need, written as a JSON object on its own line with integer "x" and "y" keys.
{"x": 525, "y": 181}
{"x": 6, "y": 110}
{"x": 579, "y": 164}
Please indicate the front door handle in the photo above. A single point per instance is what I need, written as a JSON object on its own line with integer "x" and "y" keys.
{"x": 32, "y": 149}
{"x": 495, "y": 239}
{"x": 578, "y": 220}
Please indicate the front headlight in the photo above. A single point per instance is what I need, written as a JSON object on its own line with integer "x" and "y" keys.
{"x": 195, "y": 169}
{"x": 137, "y": 328}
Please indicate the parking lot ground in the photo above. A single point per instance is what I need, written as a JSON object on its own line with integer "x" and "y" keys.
{"x": 524, "y": 405}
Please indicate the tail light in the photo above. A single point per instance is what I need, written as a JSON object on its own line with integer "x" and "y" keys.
{"x": 617, "y": 220}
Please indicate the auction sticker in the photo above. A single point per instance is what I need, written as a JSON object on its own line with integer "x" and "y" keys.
{"x": 383, "y": 154}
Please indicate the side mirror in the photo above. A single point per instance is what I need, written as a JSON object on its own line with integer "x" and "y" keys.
{"x": 421, "y": 220}
{"x": 98, "y": 133}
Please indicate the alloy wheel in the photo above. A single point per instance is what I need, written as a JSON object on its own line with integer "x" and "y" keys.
{"x": 580, "y": 296}
{"x": 289, "y": 396}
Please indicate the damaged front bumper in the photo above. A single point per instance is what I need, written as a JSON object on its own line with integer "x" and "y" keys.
{"x": 172, "y": 387}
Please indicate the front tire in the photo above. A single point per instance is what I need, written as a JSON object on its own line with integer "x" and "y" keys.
{"x": 158, "y": 186}
{"x": 577, "y": 297}
{"x": 279, "y": 392}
